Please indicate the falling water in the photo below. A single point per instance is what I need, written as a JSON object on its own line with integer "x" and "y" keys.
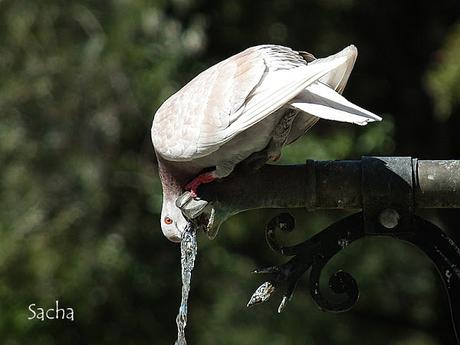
{"x": 188, "y": 250}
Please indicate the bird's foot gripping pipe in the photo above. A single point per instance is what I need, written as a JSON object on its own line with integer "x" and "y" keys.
{"x": 193, "y": 185}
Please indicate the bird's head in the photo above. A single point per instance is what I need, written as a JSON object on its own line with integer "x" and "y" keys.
{"x": 179, "y": 208}
{"x": 173, "y": 223}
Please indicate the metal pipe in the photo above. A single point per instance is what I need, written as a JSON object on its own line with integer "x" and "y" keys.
{"x": 437, "y": 184}
{"x": 328, "y": 185}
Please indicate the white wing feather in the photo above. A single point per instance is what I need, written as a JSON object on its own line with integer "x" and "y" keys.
{"x": 241, "y": 91}
{"x": 273, "y": 92}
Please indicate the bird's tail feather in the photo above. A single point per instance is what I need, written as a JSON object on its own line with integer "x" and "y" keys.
{"x": 320, "y": 100}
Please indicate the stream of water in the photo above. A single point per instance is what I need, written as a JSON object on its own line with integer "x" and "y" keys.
{"x": 188, "y": 250}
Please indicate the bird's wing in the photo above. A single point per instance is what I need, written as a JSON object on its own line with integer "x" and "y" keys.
{"x": 230, "y": 97}
{"x": 205, "y": 105}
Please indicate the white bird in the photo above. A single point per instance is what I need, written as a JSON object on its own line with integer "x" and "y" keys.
{"x": 252, "y": 103}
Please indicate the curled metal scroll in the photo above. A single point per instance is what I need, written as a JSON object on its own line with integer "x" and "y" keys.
{"x": 340, "y": 283}
{"x": 313, "y": 253}
{"x": 445, "y": 255}
{"x": 317, "y": 251}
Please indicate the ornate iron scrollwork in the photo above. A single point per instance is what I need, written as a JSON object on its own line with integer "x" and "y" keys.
{"x": 313, "y": 253}
{"x": 316, "y": 252}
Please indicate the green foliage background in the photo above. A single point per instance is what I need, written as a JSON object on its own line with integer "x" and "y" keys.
{"x": 80, "y": 196}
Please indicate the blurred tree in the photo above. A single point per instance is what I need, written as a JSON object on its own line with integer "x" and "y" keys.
{"x": 443, "y": 79}
{"x": 79, "y": 82}
{"x": 80, "y": 196}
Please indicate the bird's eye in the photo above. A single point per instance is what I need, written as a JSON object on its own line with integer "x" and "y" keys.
{"x": 168, "y": 220}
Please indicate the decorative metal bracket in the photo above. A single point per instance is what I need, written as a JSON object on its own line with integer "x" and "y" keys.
{"x": 387, "y": 210}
